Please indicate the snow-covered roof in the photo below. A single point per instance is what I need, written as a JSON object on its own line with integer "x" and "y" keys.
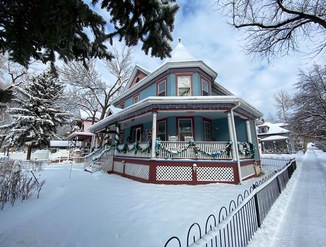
{"x": 114, "y": 109}
{"x": 79, "y": 134}
{"x": 63, "y": 144}
{"x": 274, "y": 128}
{"x": 274, "y": 138}
{"x": 180, "y": 54}
{"x": 85, "y": 115}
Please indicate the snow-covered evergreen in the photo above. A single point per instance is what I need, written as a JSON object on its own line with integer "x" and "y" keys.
{"x": 37, "y": 113}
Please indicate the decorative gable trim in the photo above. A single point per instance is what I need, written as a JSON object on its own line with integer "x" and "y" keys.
{"x": 137, "y": 75}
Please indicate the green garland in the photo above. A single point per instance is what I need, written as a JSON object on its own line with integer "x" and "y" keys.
{"x": 134, "y": 148}
{"x": 248, "y": 150}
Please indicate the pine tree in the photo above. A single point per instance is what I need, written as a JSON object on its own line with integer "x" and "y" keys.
{"x": 38, "y": 115}
{"x": 73, "y": 30}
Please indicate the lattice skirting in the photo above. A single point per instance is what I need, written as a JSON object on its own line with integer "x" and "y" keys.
{"x": 118, "y": 167}
{"x": 135, "y": 170}
{"x": 247, "y": 171}
{"x": 215, "y": 174}
{"x": 173, "y": 173}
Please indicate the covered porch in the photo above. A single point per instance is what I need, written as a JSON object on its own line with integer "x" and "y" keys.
{"x": 212, "y": 132}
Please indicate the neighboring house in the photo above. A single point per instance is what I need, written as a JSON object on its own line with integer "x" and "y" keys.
{"x": 274, "y": 138}
{"x": 176, "y": 125}
{"x": 80, "y": 140}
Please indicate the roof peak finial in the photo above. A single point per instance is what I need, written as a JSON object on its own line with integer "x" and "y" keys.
{"x": 179, "y": 39}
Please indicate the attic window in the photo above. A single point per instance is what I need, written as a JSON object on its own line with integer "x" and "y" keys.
{"x": 137, "y": 80}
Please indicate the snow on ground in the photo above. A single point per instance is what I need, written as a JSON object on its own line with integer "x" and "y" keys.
{"x": 298, "y": 216}
{"x": 99, "y": 209}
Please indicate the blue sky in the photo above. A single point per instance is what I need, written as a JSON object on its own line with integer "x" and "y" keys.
{"x": 205, "y": 33}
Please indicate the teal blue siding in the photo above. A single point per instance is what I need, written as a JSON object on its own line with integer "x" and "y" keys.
{"x": 240, "y": 126}
{"x": 126, "y": 134}
{"x": 171, "y": 85}
{"x": 220, "y": 130}
{"x": 149, "y": 91}
{"x": 171, "y": 128}
{"x": 196, "y": 84}
{"x": 128, "y": 102}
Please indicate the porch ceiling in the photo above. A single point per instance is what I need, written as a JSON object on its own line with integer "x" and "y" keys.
{"x": 165, "y": 114}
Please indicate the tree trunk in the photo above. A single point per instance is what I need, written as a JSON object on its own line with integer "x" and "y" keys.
{"x": 29, "y": 152}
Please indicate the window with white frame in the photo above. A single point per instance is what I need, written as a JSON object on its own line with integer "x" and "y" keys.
{"x": 135, "y": 99}
{"x": 204, "y": 88}
{"x": 161, "y": 88}
{"x": 184, "y": 85}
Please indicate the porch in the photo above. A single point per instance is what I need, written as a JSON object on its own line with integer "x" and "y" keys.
{"x": 183, "y": 140}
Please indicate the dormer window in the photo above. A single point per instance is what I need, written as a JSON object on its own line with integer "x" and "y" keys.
{"x": 204, "y": 88}
{"x": 161, "y": 88}
{"x": 184, "y": 86}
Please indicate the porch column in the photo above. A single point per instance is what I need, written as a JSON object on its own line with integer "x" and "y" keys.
{"x": 235, "y": 150}
{"x": 249, "y": 138}
{"x": 116, "y": 138}
{"x": 231, "y": 134}
{"x": 154, "y": 133}
{"x": 93, "y": 142}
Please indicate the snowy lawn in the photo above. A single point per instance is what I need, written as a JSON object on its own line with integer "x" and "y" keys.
{"x": 83, "y": 209}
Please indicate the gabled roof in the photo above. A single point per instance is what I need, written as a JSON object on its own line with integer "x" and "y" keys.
{"x": 138, "y": 69}
{"x": 180, "y": 58}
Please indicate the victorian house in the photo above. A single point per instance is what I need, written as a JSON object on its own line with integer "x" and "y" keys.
{"x": 177, "y": 125}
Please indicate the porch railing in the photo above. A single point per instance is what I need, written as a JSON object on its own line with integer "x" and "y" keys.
{"x": 201, "y": 150}
{"x": 185, "y": 150}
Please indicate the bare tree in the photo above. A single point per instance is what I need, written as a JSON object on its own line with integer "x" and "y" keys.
{"x": 276, "y": 27}
{"x": 309, "y": 109}
{"x": 283, "y": 104}
{"x": 120, "y": 67}
{"x": 86, "y": 87}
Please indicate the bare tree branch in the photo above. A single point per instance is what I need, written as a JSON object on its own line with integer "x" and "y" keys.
{"x": 277, "y": 27}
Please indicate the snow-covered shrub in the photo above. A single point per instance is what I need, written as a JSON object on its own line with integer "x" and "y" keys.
{"x": 16, "y": 183}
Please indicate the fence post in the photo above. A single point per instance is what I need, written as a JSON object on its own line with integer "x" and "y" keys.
{"x": 257, "y": 207}
{"x": 279, "y": 184}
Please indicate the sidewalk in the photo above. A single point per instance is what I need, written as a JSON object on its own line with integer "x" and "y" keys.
{"x": 298, "y": 218}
